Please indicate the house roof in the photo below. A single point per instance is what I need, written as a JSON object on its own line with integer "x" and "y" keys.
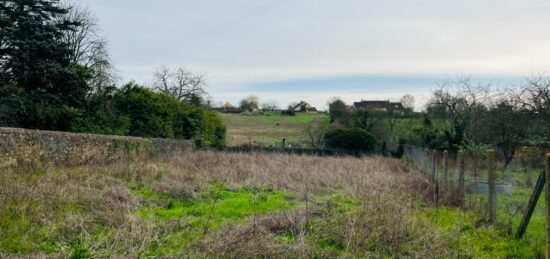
{"x": 227, "y": 105}
{"x": 377, "y": 104}
{"x": 372, "y": 103}
{"x": 303, "y": 104}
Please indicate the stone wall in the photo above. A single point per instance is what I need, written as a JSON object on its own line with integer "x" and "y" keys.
{"x": 34, "y": 146}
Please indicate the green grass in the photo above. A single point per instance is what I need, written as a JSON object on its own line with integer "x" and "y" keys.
{"x": 479, "y": 241}
{"x": 15, "y": 229}
{"x": 496, "y": 241}
{"x": 215, "y": 208}
{"x": 269, "y": 129}
{"x": 471, "y": 238}
{"x": 20, "y": 234}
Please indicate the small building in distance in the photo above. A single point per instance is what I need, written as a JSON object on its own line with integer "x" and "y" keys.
{"x": 303, "y": 106}
{"x": 378, "y": 106}
{"x": 228, "y": 106}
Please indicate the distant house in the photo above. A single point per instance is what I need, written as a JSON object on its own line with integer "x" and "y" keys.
{"x": 379, "y": 106}
{"x": 303, "y": 107}
{"x": 228, "y": 106}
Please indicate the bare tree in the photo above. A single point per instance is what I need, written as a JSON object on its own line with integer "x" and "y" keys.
{"x": 88, "y": 46}
{"x": 365, "y": 119}
{"x": 181, "y": 83}
{"x": 536, "y": 98}
{"x": 316, "y": 131}
{"x": 270, "y": 105}
{"x": 393, "y": 116}
{"x": 460, "y": 103}
{"x": 408, "y": 103}
{"x": 508, "y": 123}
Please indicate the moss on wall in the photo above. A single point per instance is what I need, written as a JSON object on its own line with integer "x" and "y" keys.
{"x": 22, "y": 146}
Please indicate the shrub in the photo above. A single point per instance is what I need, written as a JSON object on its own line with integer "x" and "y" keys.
{"x": 102, "y": 115}
{"x": 131, "y": 110}
{"x": 214, "y": 130}
{"x": 428, "y": 135}
{"x": 163, "y": 116}
{"x": 158, "y": 115}
{"x": 350, "y": 140}
{"x": 338, "y": 111}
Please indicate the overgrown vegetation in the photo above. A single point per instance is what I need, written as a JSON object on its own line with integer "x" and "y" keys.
{"x": 461, "y": 114}
{"x": 215, "y": 204}
{"x": 465, "y": 113}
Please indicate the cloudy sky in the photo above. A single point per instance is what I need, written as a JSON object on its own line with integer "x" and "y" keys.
{"x": 287, "y": 50}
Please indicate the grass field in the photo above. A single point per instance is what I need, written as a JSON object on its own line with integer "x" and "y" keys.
{"x": 269, "y": 129}
{"x": 214, "y": 204}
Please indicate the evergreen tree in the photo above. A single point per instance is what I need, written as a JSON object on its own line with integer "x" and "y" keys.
{"x": 34, "y": 59}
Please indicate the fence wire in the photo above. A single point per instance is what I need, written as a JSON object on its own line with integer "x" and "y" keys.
{"x": 462, "y": 179}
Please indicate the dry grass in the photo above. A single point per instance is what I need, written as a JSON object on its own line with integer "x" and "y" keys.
{"x": 349, "y": 207}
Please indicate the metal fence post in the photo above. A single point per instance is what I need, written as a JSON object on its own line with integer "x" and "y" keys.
{"x": 547, "y": 203}
{"x": 541, "y": 181}
{"x": 461, "y": 191}
{"x": 492, "y": 204}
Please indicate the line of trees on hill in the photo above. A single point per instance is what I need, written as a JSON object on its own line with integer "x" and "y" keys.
{"x": 382, "y": 124}
{"x": 56, "y": 74}
{"x": 461, "y": 114}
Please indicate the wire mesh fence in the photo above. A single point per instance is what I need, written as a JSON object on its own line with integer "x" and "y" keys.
{"x": 485, "y": 183}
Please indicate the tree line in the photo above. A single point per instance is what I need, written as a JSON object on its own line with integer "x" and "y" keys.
{"x": 56, "y": 74}
{"x": 461, "y": 115}
{"x": 473, "y": 116}
{"x": 377, "y": 128}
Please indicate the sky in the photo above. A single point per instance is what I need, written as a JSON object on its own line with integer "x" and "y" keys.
{"x": 312, "y": 50}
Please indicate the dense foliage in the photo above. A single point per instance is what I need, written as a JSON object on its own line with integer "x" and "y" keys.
{"x": 42, "y": 86}
{"x": 338, "y": 111}
{"x": 138, "y": 111}
{"x": 249, "y": 103}
{"x": 352, "y": 139}
{"x": 461, "y": 115}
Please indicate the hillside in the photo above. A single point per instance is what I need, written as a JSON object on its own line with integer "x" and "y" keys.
{"x": 269, "y": 129}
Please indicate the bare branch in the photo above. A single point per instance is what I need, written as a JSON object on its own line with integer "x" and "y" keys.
{"x": 88, "y": 47}
{"x": 182, "y": 83}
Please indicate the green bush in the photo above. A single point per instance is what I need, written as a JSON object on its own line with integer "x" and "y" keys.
{"x": 350, "y": 140}
{"x": 159, "y": 115}
{"x": 214, "y": 133}
{"x": 151, "y": 114}
{"x": 131, "y": 110}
